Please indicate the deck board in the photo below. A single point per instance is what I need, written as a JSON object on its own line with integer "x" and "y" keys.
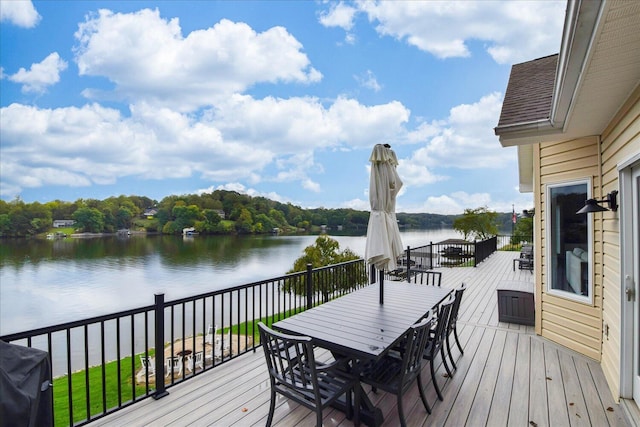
{"x": 500, "y": 403}
{"x": 519, "y": 399}
{"x": 507, "y": 376}
{"x": 486, "y": 388}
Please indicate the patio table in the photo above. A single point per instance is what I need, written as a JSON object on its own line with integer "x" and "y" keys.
{"x": 358, "y": 326}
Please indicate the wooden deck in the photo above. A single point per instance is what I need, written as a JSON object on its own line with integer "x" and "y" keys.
{"x": 507, "y": 376}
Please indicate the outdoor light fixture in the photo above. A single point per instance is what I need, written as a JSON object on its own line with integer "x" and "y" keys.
{"x": 593, "y": 205}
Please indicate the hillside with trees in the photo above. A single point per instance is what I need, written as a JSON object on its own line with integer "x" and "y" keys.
{"x": 218, "y": 212}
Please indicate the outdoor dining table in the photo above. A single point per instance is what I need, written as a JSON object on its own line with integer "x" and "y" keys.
{"x": 357, "y": 326}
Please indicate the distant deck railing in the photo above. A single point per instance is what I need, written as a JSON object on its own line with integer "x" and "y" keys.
{"x": 97, "y": 362}
{"x": 452, "y": 253}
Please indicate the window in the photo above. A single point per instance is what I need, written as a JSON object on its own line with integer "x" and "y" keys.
{"x": 569, "y": 243}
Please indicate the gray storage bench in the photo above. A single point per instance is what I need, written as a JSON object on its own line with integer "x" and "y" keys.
{"x": 516, "y": 302}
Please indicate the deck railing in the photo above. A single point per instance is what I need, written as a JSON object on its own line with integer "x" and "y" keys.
{"x": 97, "y": 362}
{"x": 444, "y": 254}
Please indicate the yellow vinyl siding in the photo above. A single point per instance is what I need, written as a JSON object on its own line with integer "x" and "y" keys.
{"x": 620, "y": 141}
{"x": 573, "y": 324}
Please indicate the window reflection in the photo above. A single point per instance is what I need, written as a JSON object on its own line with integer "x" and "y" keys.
{"x": 568, "y": 239}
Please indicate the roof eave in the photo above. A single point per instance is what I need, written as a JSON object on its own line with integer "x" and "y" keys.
{"x": 581, "y": 22}
{"x": 524, "y": 133}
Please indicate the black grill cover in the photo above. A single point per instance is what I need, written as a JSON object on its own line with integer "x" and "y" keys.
{"x": 25, "y": 387}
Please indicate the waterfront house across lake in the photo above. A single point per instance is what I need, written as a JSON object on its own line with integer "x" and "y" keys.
{"x": 61, "y": 223}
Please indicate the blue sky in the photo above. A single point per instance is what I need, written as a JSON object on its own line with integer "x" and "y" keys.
{"x": 282, "y": 99}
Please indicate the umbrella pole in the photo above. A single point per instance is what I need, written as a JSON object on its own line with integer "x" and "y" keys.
{"x": 381, "y": 287}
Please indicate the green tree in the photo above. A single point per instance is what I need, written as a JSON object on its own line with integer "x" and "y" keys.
{"x": 185, "y": 216}
{"x": 305, "y": 225}
{"x": 124, "y": 217}
{"x": 89, "y": 219}
{"x": 523, "y": 231}
{"x": 278, "y": 217}
{"x": 5, "y": 225}
{"x": 210, "y": 222}
{"x": 244, "y": 222}
{"x": 325, "y": 252}
{"x": 265, "y": 223}
{"x": 28, "y": 219}
{"x": 477, "y": 224}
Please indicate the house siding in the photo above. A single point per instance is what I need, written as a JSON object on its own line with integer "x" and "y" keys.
{"x": 591, "y": 329}
{"x": 576, "y": 325}
{"x": 620, "y": 141}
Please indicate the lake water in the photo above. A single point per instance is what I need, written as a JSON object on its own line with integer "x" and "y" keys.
{"x": 47, "y": 282}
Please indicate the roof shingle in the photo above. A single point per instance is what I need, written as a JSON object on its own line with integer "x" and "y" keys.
{"x": 529, "y": 92}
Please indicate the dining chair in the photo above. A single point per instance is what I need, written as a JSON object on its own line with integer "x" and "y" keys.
{"x": 428, "y": 277}
{"x": 395, "y": 374}
{"x": 452, "y": 323}
{"x": 436, "y": 341}
{"x": 295, "y": 374}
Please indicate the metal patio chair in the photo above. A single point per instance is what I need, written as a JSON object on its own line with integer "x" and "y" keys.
{"x": 452, "y": 323}
{"x": 435, "y": 343}
{"x": 427, "y": 277}
{"x": 396, "y": 373}
{"x": 295, "y": 374}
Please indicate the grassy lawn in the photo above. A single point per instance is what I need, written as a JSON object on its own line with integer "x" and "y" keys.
{"x": 64, "y": 230}
{"x": 95, "y": 402}
{"x": 119, "y": 389}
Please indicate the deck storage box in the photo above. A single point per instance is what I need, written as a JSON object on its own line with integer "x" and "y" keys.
{"x": 516, "y": 303}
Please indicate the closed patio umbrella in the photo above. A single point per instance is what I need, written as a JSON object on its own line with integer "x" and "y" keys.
{"x": 384, "y": 244}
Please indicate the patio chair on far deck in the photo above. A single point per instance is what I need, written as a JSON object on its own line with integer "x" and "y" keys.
{"x": 220, "y": 344}
{"x": 173, "y": 364}
{"x": 436, "y": 341}
{"x": 196, "y": 361}
{"x": 525, "y": 261}
{"x": 295, "y": 374}
{"x": 148, "y": 365}
{"x": 396, "y": 374}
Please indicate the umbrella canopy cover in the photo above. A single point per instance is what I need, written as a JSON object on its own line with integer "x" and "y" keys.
{"x": 383, "y": 236}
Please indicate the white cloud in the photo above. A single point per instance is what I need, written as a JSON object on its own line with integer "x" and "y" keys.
{"x": 369, "y": 81}
{"x": 238, "y": 140}
{"x": 95, "y": 144}
{"x": 311, "y": 185}
{"x": 20, "y": 13}
{"x": 465, "y": 140}
{"x": 300, "y": 125}
{"x": 451, "y": 204}
{"x": 148, "y": 58}
{"x": 512, "y": 31}
{"x": 339, "y": 15}
{"x": 358, "y": 204}
{"x": 41, "y": 75}
{"x": 455, "y": 203}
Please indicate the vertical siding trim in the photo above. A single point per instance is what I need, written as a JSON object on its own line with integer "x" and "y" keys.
{"x": 537, "y": 234}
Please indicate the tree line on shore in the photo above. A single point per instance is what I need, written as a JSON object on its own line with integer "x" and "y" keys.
{"x": 218, "y": 212}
